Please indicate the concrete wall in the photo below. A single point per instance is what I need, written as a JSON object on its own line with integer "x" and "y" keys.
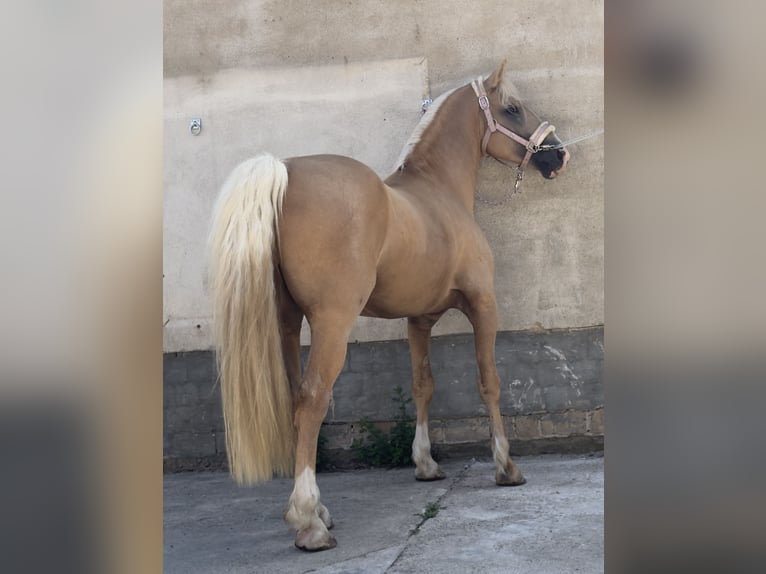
{"x": 348, "y": 77}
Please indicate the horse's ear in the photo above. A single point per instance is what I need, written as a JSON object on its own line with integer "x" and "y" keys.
{"x": 496, "y": 78}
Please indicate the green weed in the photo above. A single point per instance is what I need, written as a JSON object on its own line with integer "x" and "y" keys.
{"x": 377, "y": 448}
{"x": 431, "y": 510}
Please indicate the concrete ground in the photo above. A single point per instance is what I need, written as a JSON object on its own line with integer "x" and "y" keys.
{"x": 551, "y": 525}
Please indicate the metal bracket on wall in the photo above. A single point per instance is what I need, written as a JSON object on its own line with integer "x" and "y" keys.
{"x": 195, "y": 126}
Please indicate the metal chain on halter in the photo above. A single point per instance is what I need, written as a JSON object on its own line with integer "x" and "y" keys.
{"x": 507, "y": 198}
{"x": 520, "y": 172}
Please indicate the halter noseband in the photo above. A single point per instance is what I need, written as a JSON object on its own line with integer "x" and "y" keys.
{"x": 532, "y": 145}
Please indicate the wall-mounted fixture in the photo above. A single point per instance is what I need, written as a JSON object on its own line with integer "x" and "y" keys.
{"x": 195, "y": 126}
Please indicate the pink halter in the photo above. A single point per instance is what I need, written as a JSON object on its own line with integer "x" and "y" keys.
{"x": 533, "y": 144}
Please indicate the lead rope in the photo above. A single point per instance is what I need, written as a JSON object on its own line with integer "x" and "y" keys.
{"x": 594, "y": 133}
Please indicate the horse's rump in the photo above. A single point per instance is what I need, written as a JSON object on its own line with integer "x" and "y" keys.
{"x": 332, "y": 231}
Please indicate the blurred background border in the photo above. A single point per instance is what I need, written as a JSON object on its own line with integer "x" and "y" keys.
{"x": 81, "y": 259}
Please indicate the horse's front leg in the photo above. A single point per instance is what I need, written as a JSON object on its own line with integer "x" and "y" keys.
{"x": 482, "y": 312}
{"x": 419, "y": 335}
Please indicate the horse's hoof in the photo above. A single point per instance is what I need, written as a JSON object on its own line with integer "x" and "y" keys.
{"x": 515, "y": 479}
{"x": 423, "y": 477}
{"x": 314, "y": 542}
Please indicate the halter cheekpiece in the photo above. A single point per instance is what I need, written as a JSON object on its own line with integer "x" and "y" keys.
{"x": 533, "y": 145}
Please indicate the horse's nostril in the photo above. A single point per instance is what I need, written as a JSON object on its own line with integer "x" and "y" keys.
{"x": 562, "y": 153}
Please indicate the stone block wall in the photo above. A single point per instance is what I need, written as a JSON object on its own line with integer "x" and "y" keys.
{"x": 551, "y": 398}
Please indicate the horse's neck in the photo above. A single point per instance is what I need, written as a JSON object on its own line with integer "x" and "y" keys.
{"x": 449, "y": 153}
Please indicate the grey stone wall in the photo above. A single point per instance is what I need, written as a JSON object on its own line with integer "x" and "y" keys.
{"x": 552, "y": 395}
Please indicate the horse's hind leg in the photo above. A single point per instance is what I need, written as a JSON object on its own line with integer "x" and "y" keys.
{"x": 329, "y": 335}
{"x": 291, "y": 319}
{"x": 482, "y": 312}
{"x": 419, "y": 335}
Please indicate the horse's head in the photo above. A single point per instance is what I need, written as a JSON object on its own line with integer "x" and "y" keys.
{"x": 518, "y": 134}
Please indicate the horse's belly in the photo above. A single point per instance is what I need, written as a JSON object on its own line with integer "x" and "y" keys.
{"x": 415, "y": 273}
{"x": 410, "y": 300}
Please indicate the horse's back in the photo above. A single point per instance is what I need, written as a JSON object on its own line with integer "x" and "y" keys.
{"x": 332, "y": 178}
{"x": 332, "y": 229}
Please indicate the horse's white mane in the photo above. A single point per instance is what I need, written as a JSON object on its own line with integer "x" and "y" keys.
{"x": 508, "y": 93}
{"x": 424, "y": 122}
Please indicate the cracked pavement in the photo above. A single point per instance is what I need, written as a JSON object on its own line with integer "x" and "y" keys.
{"x": 551, "y": 525}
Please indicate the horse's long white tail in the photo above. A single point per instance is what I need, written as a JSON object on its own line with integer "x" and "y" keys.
{"x": 257, "y": 403}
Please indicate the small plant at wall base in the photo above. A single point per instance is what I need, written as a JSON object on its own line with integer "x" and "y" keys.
{"x": 403, "y": 431}
{"x": 376, "y": 448}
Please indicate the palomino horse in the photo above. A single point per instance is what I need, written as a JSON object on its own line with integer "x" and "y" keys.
{"x": 324, "y": 237}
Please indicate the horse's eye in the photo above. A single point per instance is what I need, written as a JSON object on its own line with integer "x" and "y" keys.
{"x": 511, "y": 109}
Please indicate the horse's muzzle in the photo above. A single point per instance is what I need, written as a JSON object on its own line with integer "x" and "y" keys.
{"x": 563, "y": 156}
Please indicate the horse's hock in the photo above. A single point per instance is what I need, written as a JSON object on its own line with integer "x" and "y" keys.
{"x": 355, "y": 88}
{"x": 552, "y": 397}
